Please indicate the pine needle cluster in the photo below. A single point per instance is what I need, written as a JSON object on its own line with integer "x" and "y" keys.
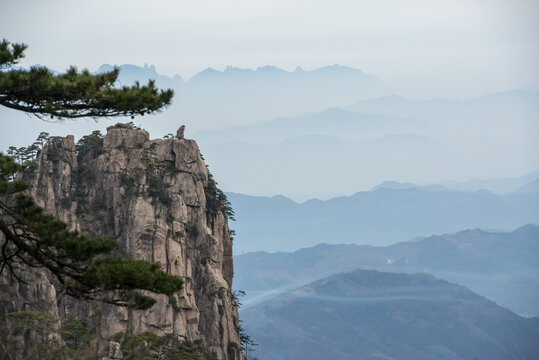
{"x": 75, "y": 93}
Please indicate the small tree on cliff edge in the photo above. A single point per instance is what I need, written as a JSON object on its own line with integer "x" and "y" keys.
{"x": 82, "y": 266}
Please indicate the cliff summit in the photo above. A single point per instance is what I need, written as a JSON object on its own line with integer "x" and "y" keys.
{"x": 158, "y": 200}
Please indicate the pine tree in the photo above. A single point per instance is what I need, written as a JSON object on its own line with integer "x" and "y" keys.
{"x": 82, "y": 267}
{"x": 74, "y": 94}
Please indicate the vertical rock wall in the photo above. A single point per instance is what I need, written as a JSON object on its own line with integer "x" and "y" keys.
{"x": 151, "y": 196}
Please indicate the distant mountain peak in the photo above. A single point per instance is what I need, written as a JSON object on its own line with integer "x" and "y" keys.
{"x": 529, "y": 188}
{"x": 270, "y": 69}
{"x": 395, "y": 185}
{"x": 394, "y": 315}
{"x": 151, "y": 67}
{"x": 528, "y": 229}
{"x": 237, "y": 70}
{"x": 104, "y": 68}
{"x": 141, "y": 73}
{"x": 338, "y": 67}
{"x": 208, "y": 71}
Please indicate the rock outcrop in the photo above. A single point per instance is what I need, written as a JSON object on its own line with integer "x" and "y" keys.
{"x": 155, "y": 198}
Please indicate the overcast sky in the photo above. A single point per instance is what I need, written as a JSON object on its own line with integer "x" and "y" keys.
{"x": 421, "y": 49}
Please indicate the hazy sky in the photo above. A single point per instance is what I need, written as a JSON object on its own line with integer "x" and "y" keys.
{"x": 420, "y": 48}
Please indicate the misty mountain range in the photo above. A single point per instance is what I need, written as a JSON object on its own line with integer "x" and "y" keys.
{"x": 213, "y": 99}
{"x": 332, "y": 165}
{"x": 264, "y": 131}
{"x": 337, "y": 130}
{"x": 383, "y": 216}
{"x": 354, "y": 147}
{"x": 305, "y": 305}
{"x": 345, "y": 124}
{"x": 376, "y": 315}
{"x": 502, "y": 266}
{"x": 519, "y": 103}
{"x": 252, "y": 149}
{"x": 499, "y": 186}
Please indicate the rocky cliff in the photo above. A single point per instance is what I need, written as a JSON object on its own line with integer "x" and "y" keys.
{"x": 157, "y": 199}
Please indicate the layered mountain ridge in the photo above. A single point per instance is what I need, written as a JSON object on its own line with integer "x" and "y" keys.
{"x": 501, "y": 266}
{"x": 381, "y": 217}
{"x": 376, "y": 315}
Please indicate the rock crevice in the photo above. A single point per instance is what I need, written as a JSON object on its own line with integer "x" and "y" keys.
{"x": 150, "y": 195}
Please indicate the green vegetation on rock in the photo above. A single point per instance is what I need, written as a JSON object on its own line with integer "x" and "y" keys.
{"x": 82, "y": 267}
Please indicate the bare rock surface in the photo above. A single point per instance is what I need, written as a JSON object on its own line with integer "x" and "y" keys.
{"x": 151, "y": 196}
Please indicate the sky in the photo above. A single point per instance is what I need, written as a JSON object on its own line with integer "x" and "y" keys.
{"x": 421, "y": 49}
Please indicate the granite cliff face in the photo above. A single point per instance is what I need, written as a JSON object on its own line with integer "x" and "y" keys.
{"x": 156, "y": 198}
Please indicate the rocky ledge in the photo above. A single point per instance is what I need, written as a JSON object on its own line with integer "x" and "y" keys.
{"x": 157, "y": 199}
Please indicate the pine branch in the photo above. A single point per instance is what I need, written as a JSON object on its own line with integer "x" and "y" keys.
{"x": 74, "y": 94}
